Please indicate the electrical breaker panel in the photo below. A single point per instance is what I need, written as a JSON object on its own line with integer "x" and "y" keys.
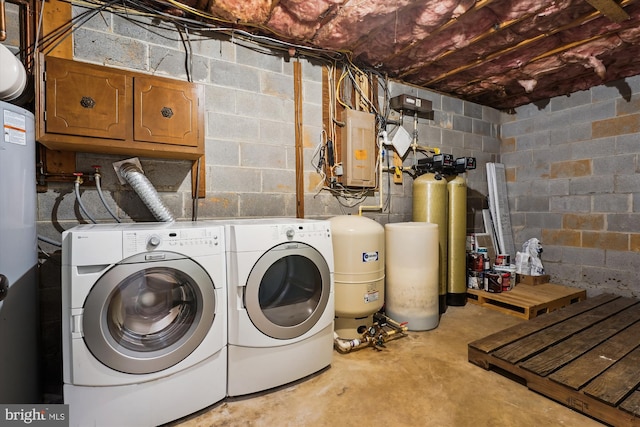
{"x": 358, "y": 153}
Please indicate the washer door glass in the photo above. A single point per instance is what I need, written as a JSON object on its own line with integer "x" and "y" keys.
{"x": 145, "y": 317}
{"x": 152, "y": 309}
{"x": 288, "y": 290}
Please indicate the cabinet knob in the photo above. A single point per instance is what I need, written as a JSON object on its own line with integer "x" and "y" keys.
{"x": 167, "y": 112}
{"x": 87, "y": 102}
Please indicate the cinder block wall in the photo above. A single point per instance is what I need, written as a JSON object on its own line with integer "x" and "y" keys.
{"x": 250, "y": 156}
{"x": 573, "y": 169}
{"x": 249, "y": 129}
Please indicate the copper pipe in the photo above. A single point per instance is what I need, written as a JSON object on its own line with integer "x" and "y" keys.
{"x": 27, "y": 33}
{"x": 3, "y": 23}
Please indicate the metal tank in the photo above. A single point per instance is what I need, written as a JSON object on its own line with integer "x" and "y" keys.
{"x": 18, "y": 258}
{"x": 359, "y": 272}
{"x": 431, "y": 204}
{"x": 457, "y": 241}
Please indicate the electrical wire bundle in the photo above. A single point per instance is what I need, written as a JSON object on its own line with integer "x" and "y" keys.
{"x": 191, "y": 25}
{"x": 350, "y": 87}
{"x": 351, "y": 90}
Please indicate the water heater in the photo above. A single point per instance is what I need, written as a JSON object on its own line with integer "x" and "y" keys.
{"x": 18, "y": 257}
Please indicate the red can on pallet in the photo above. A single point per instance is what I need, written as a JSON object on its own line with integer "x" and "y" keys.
{"x": 494, "y": 281}
{"x": 475, "y": 261}
{"x": 506, "y": 281}
{"x": 503, "y": 259}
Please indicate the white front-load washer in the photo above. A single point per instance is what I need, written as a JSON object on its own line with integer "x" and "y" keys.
{"x": 281, "y": 303}
{"x": 144, "y": 322}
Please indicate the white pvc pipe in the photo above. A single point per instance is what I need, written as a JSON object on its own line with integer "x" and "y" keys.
{"x": 346, "y": 345}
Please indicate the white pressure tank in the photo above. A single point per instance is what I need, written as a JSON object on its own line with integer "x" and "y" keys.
{"x": 359, "y": 271}
{"x": 13, "y": 76}
{"x": 412, "y": 274}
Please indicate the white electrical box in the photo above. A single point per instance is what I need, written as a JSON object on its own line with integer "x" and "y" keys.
{"x": 358, "y": 149}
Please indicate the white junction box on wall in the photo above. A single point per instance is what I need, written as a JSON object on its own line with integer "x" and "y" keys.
{"x": 358, "y": 153}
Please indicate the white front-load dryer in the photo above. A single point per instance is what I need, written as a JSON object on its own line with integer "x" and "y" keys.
{"x": 144, "y": 322}
{"x": 281, "y": 303}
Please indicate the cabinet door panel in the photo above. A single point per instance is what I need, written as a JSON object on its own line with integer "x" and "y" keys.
{"x": 86, "y": 100}
{"x": 165, "y": 111}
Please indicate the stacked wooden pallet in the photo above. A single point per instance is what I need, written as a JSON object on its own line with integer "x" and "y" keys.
{"x": 585, "y": 355}
{"x": 528, "y": 301}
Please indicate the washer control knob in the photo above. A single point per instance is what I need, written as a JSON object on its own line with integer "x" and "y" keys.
{"x": 290, "y": 233}
{"x": 154, "y": 241}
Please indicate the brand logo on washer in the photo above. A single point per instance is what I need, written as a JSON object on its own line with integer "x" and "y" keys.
{"x": 369, "y": 256}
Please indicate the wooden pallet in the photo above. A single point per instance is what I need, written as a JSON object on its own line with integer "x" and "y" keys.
{"x": 585, "y": 355}
{"x": 528, "y": 301}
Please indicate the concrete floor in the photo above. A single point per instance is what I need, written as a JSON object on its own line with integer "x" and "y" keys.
{"x": 423, "y": 379}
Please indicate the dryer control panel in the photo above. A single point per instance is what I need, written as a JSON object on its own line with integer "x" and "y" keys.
{"x": 262, "y": 234}
{"x": 191, "y": 242}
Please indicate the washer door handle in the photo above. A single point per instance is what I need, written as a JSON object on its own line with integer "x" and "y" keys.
{"x": 4, "y": 286}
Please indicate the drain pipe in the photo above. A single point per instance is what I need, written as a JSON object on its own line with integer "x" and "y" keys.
{"x": 145, "y": 190}
{"x": 344, "y": 345}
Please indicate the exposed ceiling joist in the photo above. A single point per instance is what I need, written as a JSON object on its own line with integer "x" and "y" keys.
{"x": 499, "y": 53}
{"x": 610, "y": 9}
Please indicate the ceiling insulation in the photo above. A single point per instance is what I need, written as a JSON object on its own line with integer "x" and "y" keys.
{"x": 499, "y": 53}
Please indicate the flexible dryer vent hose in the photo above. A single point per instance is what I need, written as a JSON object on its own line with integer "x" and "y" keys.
{"x": 145, "y": 190}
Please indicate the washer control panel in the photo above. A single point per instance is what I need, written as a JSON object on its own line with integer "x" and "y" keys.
{"x": 188, "y": 241}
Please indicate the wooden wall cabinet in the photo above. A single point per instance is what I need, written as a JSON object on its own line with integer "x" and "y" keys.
{"x": 91, "y": 108}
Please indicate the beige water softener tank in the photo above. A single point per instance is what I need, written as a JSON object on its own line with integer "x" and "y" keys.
{"x": 359, "y": 271}
{"x": 431, "y": 204}
{"x": 412, "y": 290}
{"x": 457, "y": 241}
